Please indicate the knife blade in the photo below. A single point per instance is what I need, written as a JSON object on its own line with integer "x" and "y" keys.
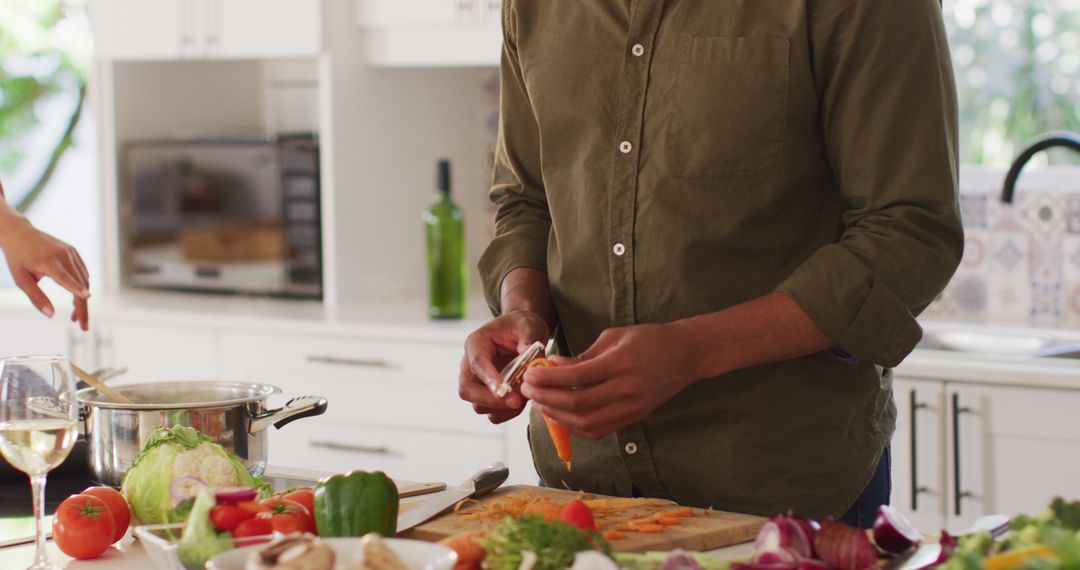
{"x": 483, "y": 482}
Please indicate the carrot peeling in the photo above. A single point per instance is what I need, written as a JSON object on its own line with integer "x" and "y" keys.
{"x": 678, "y": 513}
{"x": 649, "y": 528}
{"x": 614, "y": 535}
{"x": 668, "y": 521}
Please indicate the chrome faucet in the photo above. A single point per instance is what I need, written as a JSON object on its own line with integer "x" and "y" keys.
{"x": 1043, "y": 142}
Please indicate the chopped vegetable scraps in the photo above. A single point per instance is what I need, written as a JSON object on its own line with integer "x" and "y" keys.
{"x": 618, "y": 515}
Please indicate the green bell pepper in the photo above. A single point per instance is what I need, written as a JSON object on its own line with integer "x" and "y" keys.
{"x": 356, "y": 503}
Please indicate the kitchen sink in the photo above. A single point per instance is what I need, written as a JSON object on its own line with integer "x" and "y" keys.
{"x": 1000, "y": 344}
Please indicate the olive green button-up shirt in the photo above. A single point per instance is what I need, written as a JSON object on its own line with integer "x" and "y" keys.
{"x": 660, "y": 160}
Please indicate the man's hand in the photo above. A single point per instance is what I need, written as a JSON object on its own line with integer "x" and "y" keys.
{"x": 487, "y": 351}
{"x": 33, "y": 254}
{"x": 622, "y": 377}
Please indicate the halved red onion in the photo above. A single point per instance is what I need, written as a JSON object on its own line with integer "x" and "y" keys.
{"x": 752, "y": 566}
{"x": 183, "y": 488}
{"x": 844, "y": 547}
{"x": 893, "y": 532}
{"x": 808, "y": 527}
{"x": 233, "y": 495}
{"x": 776, "y": 556}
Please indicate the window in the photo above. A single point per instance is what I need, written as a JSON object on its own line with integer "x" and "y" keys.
{"x": 1017, "y": 66}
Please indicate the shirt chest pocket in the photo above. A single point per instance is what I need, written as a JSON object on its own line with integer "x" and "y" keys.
{"x": 729, "y": 108}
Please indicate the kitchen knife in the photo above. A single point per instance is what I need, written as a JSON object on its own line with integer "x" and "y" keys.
{"x": 480, "y": 484}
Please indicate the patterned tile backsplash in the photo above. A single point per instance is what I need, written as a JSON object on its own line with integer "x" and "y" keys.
{"x": 1021, "y": 261}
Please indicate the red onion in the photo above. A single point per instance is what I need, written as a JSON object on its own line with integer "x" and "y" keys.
{"x": 680, "y": 559}
{"x": 752, "y": 566}
{"x": 809, "y": 529}
{"x": 893, "y": 532}
{"x": 183, "y": 488}
{"x": 784, "y": 533}
{"x": 233, "y": 495}
{"x": 844, "y": 547}
{"x": 781, "y": 556}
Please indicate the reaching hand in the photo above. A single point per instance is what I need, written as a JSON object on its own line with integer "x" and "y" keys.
{"x": 487, "y": 351}
{"x": 33, "y": 254}
{"x": 627, "y": 373}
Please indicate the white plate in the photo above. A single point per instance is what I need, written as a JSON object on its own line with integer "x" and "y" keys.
{"x": 416, "y": 554}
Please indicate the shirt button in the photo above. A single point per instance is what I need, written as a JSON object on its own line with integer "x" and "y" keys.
{"x": 631, "y": 448}
{"x": 638, "y": 50}
{"x": 619, "y": 249}
{"x": 625, "y": 147}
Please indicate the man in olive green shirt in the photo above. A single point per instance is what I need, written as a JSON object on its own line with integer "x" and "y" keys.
{"x": 734, "y": 212}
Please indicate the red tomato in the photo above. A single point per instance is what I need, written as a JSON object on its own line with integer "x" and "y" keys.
{"x": 288, "y": 516}
{"x": 83, "y": 526}
{"x": 118, "y": 507}
{"x": 577, "y": 513}
{"x": 228, "y": 517}
{"x": 305, "y": 496}
{"x": 253, "y": 527}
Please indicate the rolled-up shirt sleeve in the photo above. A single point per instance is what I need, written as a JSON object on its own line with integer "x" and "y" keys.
{"x": 889, "y": 110}
{"x": 522, "y": 222}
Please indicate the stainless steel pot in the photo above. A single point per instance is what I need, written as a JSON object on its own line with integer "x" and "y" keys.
{"x": 233, "y": 414}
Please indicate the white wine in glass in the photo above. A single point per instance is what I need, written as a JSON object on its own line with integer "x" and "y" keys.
{"x": 38, "y": 426}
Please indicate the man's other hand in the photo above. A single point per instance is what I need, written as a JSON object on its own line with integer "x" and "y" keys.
{"x": 487, "y": 351}
{"x": 627, "y": 373}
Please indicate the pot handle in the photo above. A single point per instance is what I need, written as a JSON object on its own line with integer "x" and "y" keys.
{"x": 294, "y": 409}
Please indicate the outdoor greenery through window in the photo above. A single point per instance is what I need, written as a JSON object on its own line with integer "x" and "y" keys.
{"x": 1018, "y": 74}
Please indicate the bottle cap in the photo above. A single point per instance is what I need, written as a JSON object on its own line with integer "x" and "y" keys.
{"x": 443, "y": 176}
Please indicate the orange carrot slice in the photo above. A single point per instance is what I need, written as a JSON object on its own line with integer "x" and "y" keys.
{"x": 614, "y": 535}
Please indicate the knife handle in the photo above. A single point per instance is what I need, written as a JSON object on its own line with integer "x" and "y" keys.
{"x": 488, "y": 479}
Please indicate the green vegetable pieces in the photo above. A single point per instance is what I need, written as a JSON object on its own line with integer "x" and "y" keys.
{"x": 554, "y": 544}
{"x": 356, "y": 503}
{"x": 200, "y": 540}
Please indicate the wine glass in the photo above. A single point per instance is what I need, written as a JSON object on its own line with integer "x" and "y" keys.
{"x": 38, "y": 426}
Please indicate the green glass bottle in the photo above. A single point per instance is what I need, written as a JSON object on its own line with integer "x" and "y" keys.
{"x": 445, "y": 227}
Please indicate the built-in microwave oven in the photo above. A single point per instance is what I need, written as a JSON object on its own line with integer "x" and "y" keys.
{"x": 223, "y": 215}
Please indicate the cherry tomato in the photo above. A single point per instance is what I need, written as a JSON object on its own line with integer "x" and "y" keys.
{"x": 118, "y": 507}
{"x": 83, "y": 526}
{"x": 288, "y": 516}
{"x": 228, "y": 517}
{"x": 577, "y": 513}
{"x": 305, "y": 496}
{"x": 253, "y": 527}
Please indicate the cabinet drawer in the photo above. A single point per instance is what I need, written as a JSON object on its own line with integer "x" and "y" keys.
{"x": 413, "y": 455}
{"x": 402, "y": 384}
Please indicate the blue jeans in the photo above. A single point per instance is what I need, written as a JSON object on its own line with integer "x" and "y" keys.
{"x": 876, "y": 493}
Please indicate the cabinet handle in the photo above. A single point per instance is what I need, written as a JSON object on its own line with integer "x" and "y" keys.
{"x": 958, "y": 494}
{"x": 334, "y": 446}
{"x": 343, "y": 361}
{"x": 916, "y": 489}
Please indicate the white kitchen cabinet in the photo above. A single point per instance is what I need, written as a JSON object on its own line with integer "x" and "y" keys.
{"x": 431, "y": 33}
{"x": 918, "y": 453}
{"x": 143, "y": 29}
{"x": 28, "y": 333}
{"x": 1011, "y": 449}
{"x": 963, "y": 450}
{"x": 255, "y": 29}
{"x": 154, "y": 351}
{"x": 205, "y": 29}
{"x": 406, "y": 384}
{"x": 414, "y": 455}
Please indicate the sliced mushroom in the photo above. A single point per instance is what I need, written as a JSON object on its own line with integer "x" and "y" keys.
{"x": 295, "y": 552}
{"x": 375, "y": 554}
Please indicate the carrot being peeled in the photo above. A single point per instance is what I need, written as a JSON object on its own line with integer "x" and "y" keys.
{"x": 559, "y": 435}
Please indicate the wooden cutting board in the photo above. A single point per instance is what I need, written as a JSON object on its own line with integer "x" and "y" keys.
{"x": 704, "y": 531}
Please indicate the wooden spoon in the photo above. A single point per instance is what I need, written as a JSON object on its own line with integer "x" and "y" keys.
{"x": 99, "y": 385}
